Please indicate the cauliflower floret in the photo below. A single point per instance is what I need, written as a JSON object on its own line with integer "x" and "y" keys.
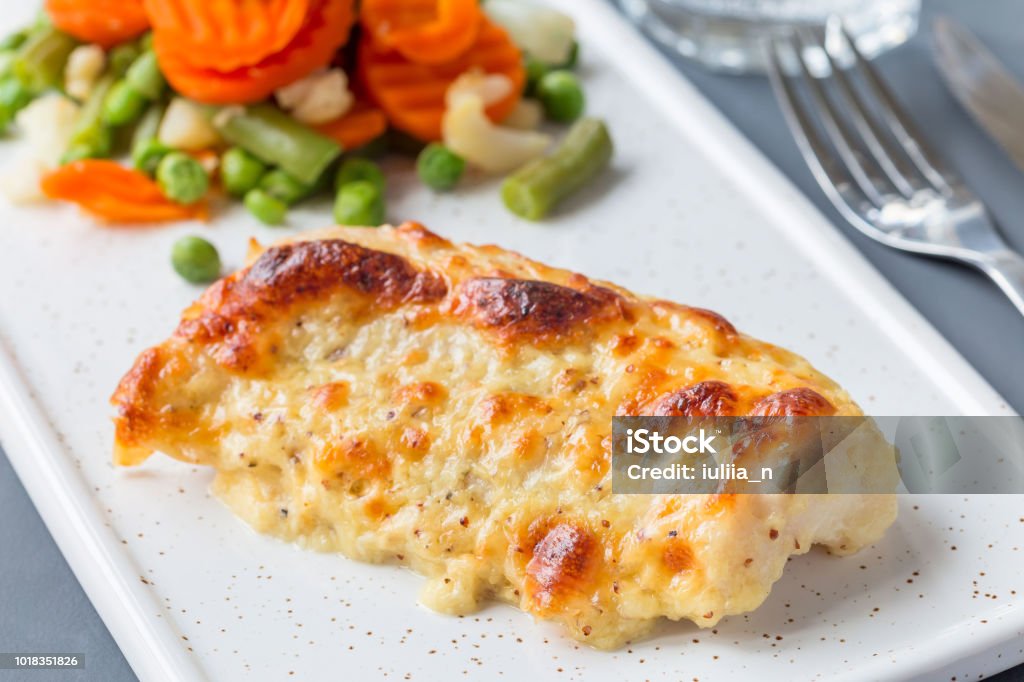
{"x": 84, "y": 66}
{"x": 490, "y": 87}
{"x": 47, "y": 123}
{"x": 318, "y": 98}
{"x": 527, "y": 115}
{"x": 469, "y": 133}
{"x": 540, "y": 31}
{"x": 21, "y": 178}
{"x": 185, "y": 127}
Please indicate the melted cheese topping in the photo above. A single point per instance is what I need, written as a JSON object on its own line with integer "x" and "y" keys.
{"x": 392, "y": 396}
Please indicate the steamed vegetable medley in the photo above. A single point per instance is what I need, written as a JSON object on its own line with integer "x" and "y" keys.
{"x": 143, "y": 110}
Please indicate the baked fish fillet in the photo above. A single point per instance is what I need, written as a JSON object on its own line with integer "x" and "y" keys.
{"x": 390, "y": 395}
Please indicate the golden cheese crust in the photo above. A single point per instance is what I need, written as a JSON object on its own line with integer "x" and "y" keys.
{"x": 396, "y": 397}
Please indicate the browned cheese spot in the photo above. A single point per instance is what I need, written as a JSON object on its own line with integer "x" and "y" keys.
{"x": 706, "y": 399}
{"x": 519, "y": 309}
{"x": 677, "y": 555}
{"x": 796, "y": 402}
{"x": 562, "y": 562}
{"x": 331, "y": 396}
{"x": 234, "y": 314}
{"x": 356, "y": 458}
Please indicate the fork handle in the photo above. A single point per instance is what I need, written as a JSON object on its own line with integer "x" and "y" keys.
{"x": 1006, "y": 268}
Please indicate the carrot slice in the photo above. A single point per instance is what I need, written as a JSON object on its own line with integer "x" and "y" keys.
{"x": 224, "y": 34}
{"x": 424, "y": 31}
{"x": 412, "y": 95}
{"x": 326, "y": 29}
{"x": 113, "y": 193}
{"x": 356, "y": 128}
{"x": 106, "y": 22}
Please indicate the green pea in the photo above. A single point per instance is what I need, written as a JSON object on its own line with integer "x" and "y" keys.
{"x": 266, "y": 208}
{"x": 284, "y": 187}
{"x": 561, "y": 95}
{"x": 359, "y": 203}
{"x": 240, "y": 171}
{"x": 438, "y": 167}
{"x": 123, "y": 105}
{"x": 144, "y": 75}
{"x": 354, "y": 168}
{"x": 182, "y": 178}
{"x": 195, "y": 259}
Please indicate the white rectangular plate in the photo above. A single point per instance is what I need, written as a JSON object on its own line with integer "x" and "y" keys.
{"x": 690, "y": 212}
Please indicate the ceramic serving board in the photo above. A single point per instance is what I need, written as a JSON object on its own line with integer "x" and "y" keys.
{"x": 690, "y": 211}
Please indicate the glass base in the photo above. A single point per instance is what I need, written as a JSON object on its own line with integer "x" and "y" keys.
{"x": 729, "y": 36}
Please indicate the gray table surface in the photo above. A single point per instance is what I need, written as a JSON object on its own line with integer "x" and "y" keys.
{"x": 42, "y": 607}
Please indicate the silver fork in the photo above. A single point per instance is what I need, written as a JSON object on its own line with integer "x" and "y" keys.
{"x": 875, "y": 167}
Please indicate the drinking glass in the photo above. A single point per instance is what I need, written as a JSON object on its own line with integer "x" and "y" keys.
{"x": 728, "y": 35}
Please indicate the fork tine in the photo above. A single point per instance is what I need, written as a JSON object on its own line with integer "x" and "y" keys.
{"x": 900, "y": 124}
{"x": 835, "y": 128}
{"x": 884, "y": 152}
{"x": 831, "y": 177}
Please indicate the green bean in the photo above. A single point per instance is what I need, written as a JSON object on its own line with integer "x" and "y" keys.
{"x": 14, "y": 97}
{"x": 562, "y": 96}
{"x": 438, "y": 167}
{"x": 240, "y": 171}
{"x": 535, "y": 70}
{"x": 120, "y": 58}
{"x": 279, "y": 140}
{"x": 355, "y": 168}
{"x": 91, "y": 138}
{"x": 359, "y": 203}
{"x": 147, "y": 150}
{"x": 181, "y": 178}
{"x": 535, "y": 188}
{"x": 267, "y": 209}
{"x": 41, "y": 59}
{"x": 284, "y": 187}
{"x": 123, "y": 105}
{"x": 195, "y": 259}
{"x": 144, "y": 75}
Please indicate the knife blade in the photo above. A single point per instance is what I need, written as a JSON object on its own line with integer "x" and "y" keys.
{"x": 985, "y": 88}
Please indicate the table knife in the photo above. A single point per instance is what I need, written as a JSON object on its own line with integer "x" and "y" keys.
{"x": 986, "y": 88}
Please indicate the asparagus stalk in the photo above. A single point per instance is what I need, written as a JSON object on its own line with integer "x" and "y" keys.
{"x": 278, "y": 140}
{"x": 535, "y": 188}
